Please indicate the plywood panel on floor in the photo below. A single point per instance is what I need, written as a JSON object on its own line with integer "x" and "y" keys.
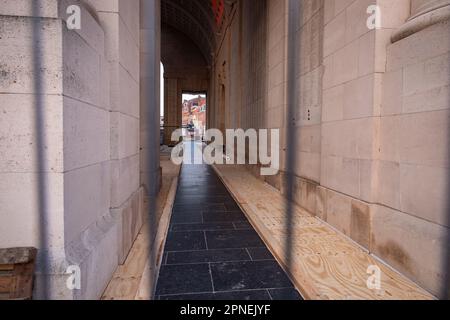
{"x": 127, "y": 279}
{"x": 325, "y": 264}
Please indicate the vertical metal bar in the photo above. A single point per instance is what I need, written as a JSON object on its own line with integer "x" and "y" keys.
{"x": 42, "y": 184}
{"x": 152, "y": 119}
{"x": 292, "y": 104}
{"x": 445, "y": 292}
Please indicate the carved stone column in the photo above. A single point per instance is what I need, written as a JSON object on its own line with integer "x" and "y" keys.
{"x": 419, "y": 7}
{"x": 150, "y": 94}
{"x": 424, "y": 13}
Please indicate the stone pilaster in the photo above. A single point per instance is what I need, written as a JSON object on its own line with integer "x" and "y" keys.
{"x": 424, "y": 13}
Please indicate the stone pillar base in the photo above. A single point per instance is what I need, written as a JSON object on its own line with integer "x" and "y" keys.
{"x": 130, "y": 218}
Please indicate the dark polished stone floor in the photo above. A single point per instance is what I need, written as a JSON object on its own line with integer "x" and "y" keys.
{"x": 212, "y": 252}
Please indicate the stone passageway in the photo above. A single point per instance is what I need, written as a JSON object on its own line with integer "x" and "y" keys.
{"x": 347, "y": 100}
{"x": 212, "y": 251}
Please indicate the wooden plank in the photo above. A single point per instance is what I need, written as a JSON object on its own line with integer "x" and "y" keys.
{"x": 23, "y": 281}
{"x": 127, "y": 279}
{"x": 4, "y": 296}
{"x": 325, "y": 264}
{"x": 125, "y": 282}
{"x": 149, "y": 279}
{"x": 17, "y": 255}
{"x": 16, "y": 272}
{"x": 6, "y": 285}
{"x": 6, "y": 267}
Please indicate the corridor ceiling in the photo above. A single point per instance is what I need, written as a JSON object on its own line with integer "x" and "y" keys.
{"x": 196, "y": 19}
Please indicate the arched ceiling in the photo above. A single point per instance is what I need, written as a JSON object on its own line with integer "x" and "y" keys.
{"x": 196, "y": 19}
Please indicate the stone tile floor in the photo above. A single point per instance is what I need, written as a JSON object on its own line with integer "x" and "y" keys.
{"x": 212, "y": 252}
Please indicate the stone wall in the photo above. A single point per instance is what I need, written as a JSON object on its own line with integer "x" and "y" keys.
{"x": 75, "y": 135}
{"x": 249, "y": 69}
{"x": 385, "y": 128}
{"x": 86, "y": 196}
{"x": 122, "y": 37}
{"x": 370, "y": 123}
{"x": 411, "y": 219}
{"x": 353, "y": 67}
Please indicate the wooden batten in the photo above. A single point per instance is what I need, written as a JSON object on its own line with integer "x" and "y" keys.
{"x": 16, "y": 273}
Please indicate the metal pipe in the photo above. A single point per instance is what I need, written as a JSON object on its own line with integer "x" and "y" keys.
{"x": 292, "y": 102}
{"x": 41, "y": 156}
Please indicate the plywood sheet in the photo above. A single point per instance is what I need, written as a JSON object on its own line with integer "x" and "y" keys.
{"x": 127, "y": 279}
{"x": 324, "y": 263}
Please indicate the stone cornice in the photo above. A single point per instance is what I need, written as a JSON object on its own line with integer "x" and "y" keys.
{"x": 427, "y": 15}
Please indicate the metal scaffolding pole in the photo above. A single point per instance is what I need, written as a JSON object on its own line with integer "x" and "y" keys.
{"x": 40, "y": 149}
{"x": 292, "y": 103}
{"x": 150, "y": 93}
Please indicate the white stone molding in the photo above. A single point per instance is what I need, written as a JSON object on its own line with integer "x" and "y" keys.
{"x": 430, "y": 13}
